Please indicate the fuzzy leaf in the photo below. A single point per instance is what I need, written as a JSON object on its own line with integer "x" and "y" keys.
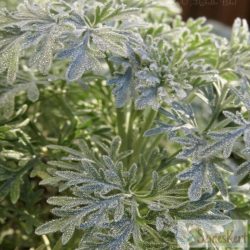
{"x": 243, "y": 169}
{"x": 9, "y": 60}
{"x": 50, "y": 227}
{"x": 123, "y": 88}
{"x": 203, "y": 176}
{"x": 15, "y": 191}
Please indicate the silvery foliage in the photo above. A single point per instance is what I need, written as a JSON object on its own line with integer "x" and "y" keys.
{"x": 176, "y": 63}
{"x": 87, "y": 34}
{"x": 25, "y": 82}
{"x": 208, "y": 149}
{"x": 83, "y": 32}
{"x": 112, "y": 208}
{"x": 90, "y": 36}
{"x": 202, "y": 149}
{"x": 155, "y": 60}
{"x": 171, "y": 65}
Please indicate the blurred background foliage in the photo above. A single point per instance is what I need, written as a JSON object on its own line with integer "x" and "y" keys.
{"x": 62, "y": 114}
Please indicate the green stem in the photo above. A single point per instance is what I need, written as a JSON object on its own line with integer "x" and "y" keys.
{"x": 138, "y": 145}
{"x": 218, "y": 107}
{"x": 165, "y": 163}
{"x": 120, "y": 115}
{"x": 214, "y": 117}
{"x": 153, "y": 233}
{"x": 148, "y": 175}
{"x": 155, "y": 142}
{"x": 130, "y": 127}
{"x": 130, "y": 132}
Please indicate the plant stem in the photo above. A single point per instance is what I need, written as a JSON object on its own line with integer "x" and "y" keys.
{"x": 130, "y": 132}
{"x": 214, "y": 117}
{"x": 153, "y": 233}
{"x": 120, "y": 115}
{"x": 155, "y": 142}
{"x": 138, "y": 145}
{"x": 163, "y": 165}
{"x": 169, "y": 159}
{"x": 130, "y": 126}
{"x": 218, "y": 107}
{"x": 46, "y": 242}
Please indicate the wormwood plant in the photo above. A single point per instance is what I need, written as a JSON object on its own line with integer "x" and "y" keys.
{"x": 130, "y": 119}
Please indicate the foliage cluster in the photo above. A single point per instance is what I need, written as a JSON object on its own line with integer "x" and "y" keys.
{"x": 123, "y": 117}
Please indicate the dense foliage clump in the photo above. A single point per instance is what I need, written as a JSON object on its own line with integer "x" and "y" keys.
{"x": 126, "y": 119}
